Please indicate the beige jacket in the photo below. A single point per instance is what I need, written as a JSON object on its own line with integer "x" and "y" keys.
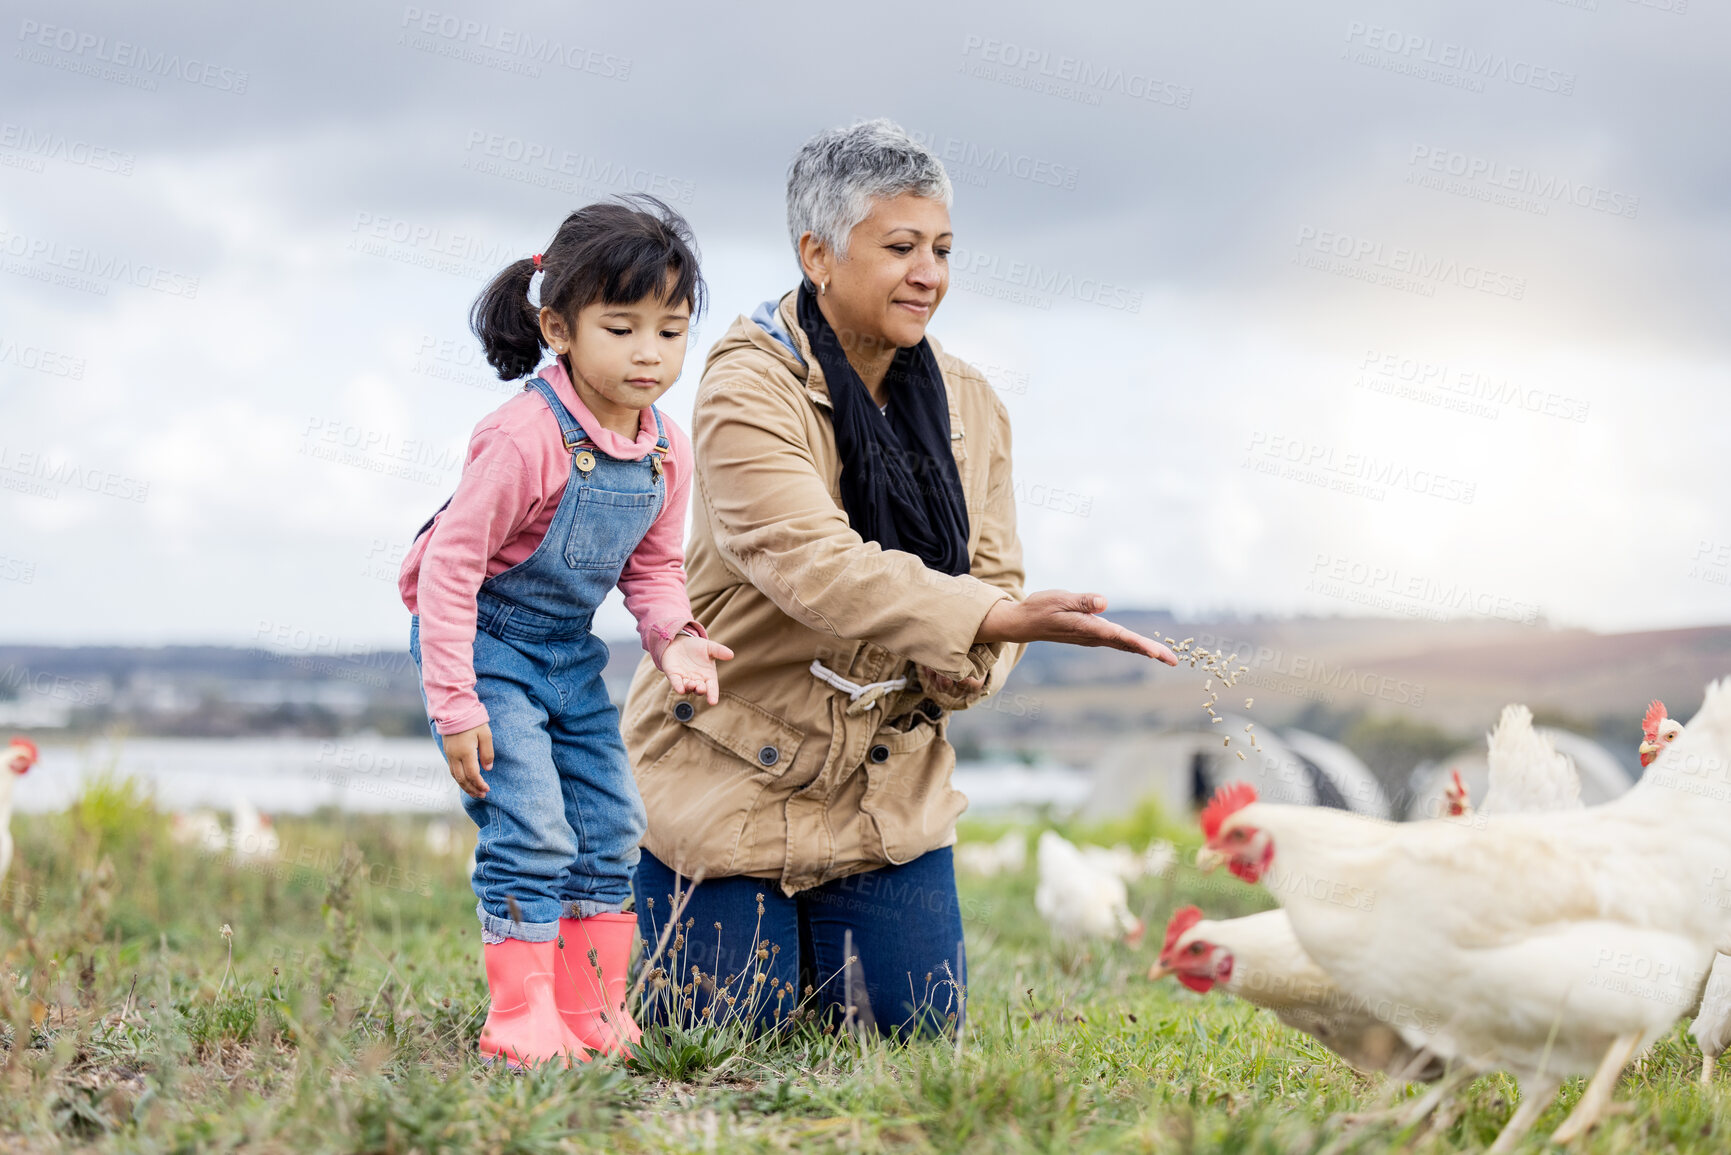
{"x": 790, "y": 778}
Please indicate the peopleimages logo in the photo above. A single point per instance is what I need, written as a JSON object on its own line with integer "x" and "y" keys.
{"x": 1069, "y": 77}
{"x": 88, "y": 46}
{"x": 1408, "y": 51}
{"x": 1543, "y": 187}
{"x": 1362, "y": 474}
{"x": 991, "y": 161}
{"x": 446, "y": 34}
{"x": 1462, "y": 387}
{"x": 538, "y": 158}
{"x": 42, "y": 475}
{"x": 1411, "y": 263}
{"x": 43, "y": 145}
{"x": 41, "y": 360}
{"x": 984, "y": 267}
{"x": 45, "y": 254}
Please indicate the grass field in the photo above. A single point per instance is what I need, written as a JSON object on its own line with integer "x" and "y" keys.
{"x": 160, "y": 998}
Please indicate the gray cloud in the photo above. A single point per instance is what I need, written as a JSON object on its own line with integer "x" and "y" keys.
{"x": 1279, "y": 190}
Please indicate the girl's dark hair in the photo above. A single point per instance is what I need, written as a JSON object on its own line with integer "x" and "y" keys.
{"x": 617, "y": 252}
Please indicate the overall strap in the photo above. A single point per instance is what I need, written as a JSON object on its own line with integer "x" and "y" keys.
{"x": 658, "y": 455}
{"x": 568, "y": 427}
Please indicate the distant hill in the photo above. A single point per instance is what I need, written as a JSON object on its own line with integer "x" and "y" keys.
{"x": 1451, "y": 677}
{"x": 1328, "y": 672}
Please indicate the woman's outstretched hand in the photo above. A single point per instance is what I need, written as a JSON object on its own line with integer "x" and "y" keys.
{"x": 1070, "y": 618}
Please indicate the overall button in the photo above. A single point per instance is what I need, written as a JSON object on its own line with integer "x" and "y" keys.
{"x": 769, "y": 755}
{"x": 879, "y": 753}
{"x": 585, "y": 460}
{"x": 684, "y": 711}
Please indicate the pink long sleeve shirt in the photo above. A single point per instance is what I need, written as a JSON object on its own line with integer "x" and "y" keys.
{"x": 512, "y": 480}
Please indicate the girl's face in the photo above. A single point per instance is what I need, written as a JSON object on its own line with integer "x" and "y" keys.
{"x": 627, "y": 355}
{"x": 896, "y": 271}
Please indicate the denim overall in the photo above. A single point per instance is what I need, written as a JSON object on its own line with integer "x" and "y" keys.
{"x": 560, "y": 824}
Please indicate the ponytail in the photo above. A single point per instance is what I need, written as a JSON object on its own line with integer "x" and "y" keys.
{"x": 617, "y": 252}
{"x": 507, "y": 324}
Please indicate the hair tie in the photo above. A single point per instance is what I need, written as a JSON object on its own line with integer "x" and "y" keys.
{"x": 537, "y": 262}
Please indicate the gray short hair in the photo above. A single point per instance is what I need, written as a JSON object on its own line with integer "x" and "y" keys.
{"x": 837, "y": 174}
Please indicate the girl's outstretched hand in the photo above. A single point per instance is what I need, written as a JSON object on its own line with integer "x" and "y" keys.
{"x": 689, "y": 664}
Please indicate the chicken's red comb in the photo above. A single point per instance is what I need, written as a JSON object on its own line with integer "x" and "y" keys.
{"x": 1655, "y": 715}
{"x": 1182, "y": 920}
{"x": 21, "y": 740}
{"x": 1227, "y": 801}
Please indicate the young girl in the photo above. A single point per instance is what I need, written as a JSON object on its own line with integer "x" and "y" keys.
{"x": 574, "y": 486}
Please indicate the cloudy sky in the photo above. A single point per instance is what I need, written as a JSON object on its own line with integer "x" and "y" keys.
{"x": 1404, "y": 307}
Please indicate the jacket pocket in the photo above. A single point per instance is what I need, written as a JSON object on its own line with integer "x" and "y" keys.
{"x": 764, "y": 742}
{"x": 702, "y": 792}
{"x": 908, "y": 793}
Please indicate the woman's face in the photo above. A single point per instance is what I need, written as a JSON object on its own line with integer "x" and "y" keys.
{"x": 896, "y": 271}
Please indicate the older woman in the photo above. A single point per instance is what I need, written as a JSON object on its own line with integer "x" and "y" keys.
{"x": 854, "y": 541}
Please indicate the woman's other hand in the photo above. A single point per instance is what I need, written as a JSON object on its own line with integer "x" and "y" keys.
{"x": 1071, "y": 618}
{"x": 689, "y": 663}
{"x": 943, "y": 684}
{"x": 469, "y": 752}
{"x": 950, "y": 693}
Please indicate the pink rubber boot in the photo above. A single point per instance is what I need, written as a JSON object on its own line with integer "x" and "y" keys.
{"x": 523, "y": 1022}
{"x": 592, "y": 1005}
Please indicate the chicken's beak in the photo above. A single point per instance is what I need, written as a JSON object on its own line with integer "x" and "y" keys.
{"x": 1159, "y": 971}
{"x": 1650, "y": 747}
{"x": 1208, "y": 859}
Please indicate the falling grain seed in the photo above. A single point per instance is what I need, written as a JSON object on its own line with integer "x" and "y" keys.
{"x": 1240, "y": 754}
{"x": 1217, "y": 718}
{"x": 1249, "y": 702}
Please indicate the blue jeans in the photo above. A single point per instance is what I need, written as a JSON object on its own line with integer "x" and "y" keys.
{"x": 559, "y": 827}
{"x": 903, "y": 925}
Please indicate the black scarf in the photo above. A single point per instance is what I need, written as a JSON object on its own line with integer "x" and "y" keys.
{"x": 899, "y": 483}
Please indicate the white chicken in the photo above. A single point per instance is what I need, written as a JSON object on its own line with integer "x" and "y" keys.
{"x": 15, "y": 762}
{"x": 439, "y": 837}
{"x": 200, "y": 828}
{"x": 1156, "y": 861}
{"x": 1008, "y": 855}
{"x": 1548, "y": 945}
{"x": 1079, "y": 898}
{"x": 1712, "y": 1026}
{"x": 1658, "y": 730}
{"x": 254, "y": 835}
{"x": 1527, "y": 775}
{"x": 1259, "y": 959}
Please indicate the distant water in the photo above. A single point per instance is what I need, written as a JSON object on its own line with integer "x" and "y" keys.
{"x": 361, "y": 774}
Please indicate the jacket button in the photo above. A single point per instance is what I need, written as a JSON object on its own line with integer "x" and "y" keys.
{"x": 879, "y": 753}
{"x": 684, "y": 711}
{"x": 769, "y": 755}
